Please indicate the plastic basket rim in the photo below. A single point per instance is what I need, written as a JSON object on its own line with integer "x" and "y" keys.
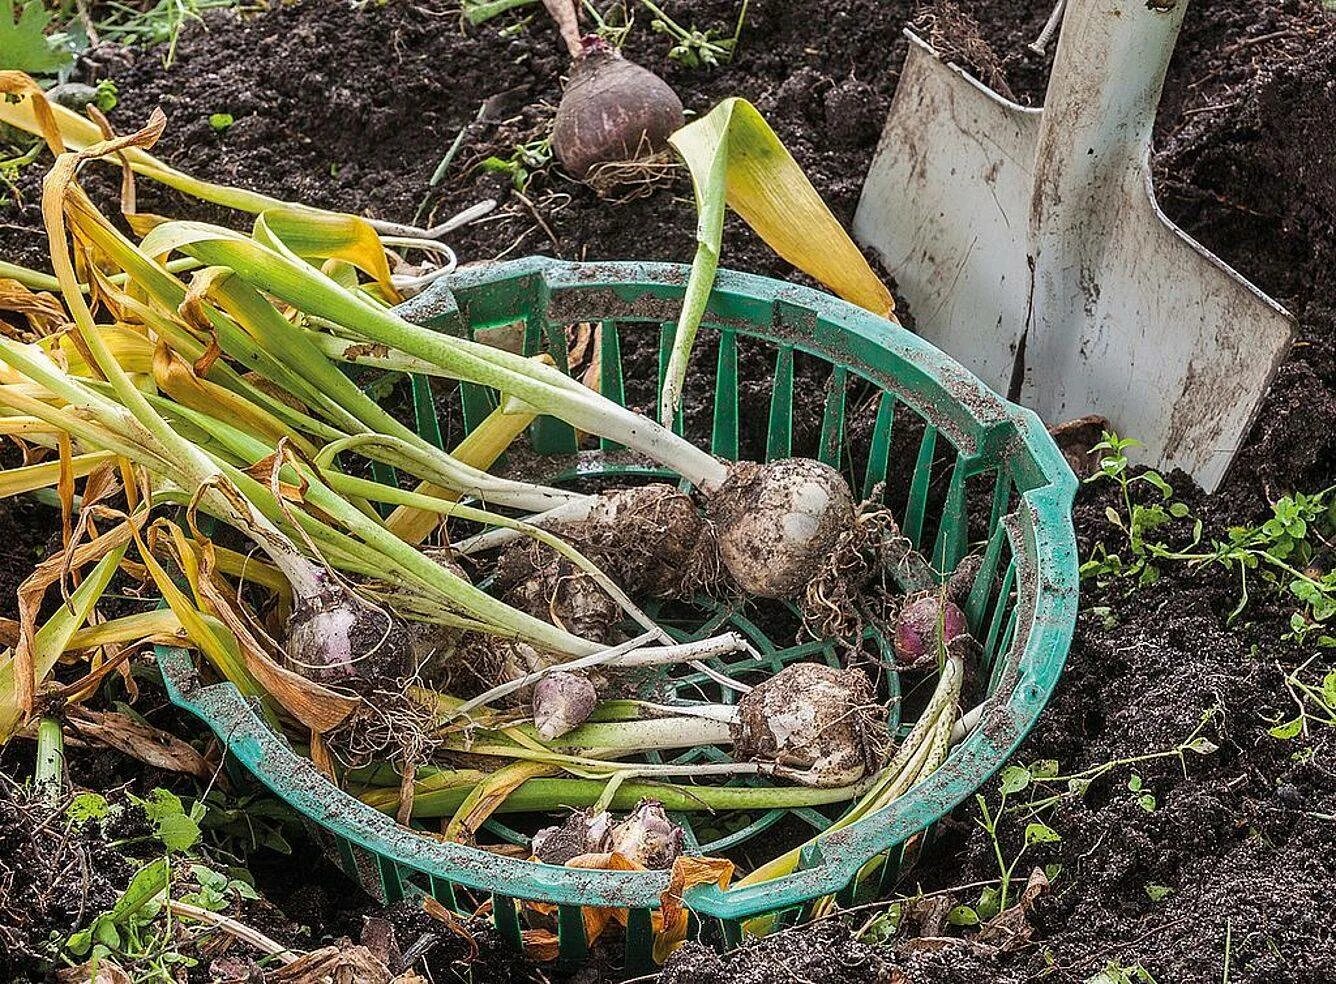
{"x": 1048, "y": 612}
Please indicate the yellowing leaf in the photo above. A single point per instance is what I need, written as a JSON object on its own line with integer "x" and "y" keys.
{"x": 489, "y": 794}
{"x": 735, "y": 157}
{"x": 481, "y": 447}
{"x": 36, "y": 656}
{"x": 43, "y": 312}
{"x": 14, "y": 481}
{"x": 326, "y": 235}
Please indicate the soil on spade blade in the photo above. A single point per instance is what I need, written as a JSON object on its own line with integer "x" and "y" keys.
{"x": 1230, "y": 865}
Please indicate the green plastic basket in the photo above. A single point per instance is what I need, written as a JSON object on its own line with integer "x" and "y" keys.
{"x": 975, "y": 450}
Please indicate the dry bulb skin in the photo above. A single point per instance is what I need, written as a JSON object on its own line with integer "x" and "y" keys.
{"x": 778, "y": 522}
{"x": 819, "y": 725}
{"x": 569, "y": 598}
{"x": 583, "y": 832}
{"x": 645, "y": 836}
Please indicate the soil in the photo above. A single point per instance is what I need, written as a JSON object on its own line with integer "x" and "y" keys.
{"x": 353, "y": 108}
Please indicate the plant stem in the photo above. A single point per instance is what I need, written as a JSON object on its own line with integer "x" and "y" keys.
{"x": 553, "y": 794}
{"x": 628, "y": 654}
{"x": 540, "y": 386}
{"x": 651, "y": 734}
{"x": 49, "y": 771}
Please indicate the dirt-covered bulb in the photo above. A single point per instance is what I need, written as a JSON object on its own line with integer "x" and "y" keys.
{"x": 335, "y": 637}
{"x": 819, "y": 725}
{"x": 613, "y": 110}
{"x": 777, "y": 522}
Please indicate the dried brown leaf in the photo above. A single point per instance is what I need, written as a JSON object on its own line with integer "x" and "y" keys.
{"x": 336, "y": 965}
{"x": 43, "y": 312}
{"x": 140, "y": 741}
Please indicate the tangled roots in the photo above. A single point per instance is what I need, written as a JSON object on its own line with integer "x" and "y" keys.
{"x": 389, "y": 725}
{"x": 836, "y": 603}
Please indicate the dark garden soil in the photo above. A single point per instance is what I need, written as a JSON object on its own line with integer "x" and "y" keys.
{"x": 353, "y": 108}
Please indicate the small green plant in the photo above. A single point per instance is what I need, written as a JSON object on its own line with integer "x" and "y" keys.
{"x": 105, "y": 95}
{"x": 161, "y": 23}
{"x": 27, "y": 41}
{"x": 1158, "y": 893}
{"x": 174, "y": 826}
{"x": 221, "y": 122}
{"x": 1145, "y": 798}
{"x": 1014, "y": 780}
{"x": 1047, "y": 787}
{"x": 85, "y": 808}
{"x": 694, "y": 48}
{"x": 138, "y": 933}
{"x": 1116, "y": 972}
{"x": 526, "y": 160}
{"x": 883, "y": 927}
{"x": 1287, "y": 551}
{"x": 1290, "y": 551}
{"x": 215, "y": 890}
{"x": 1136, "y": 521}
{"x": 240, "y": 825}
{"x": 10, "y": 168}
{"x": 1316, "y": 703}
{"x": 122, "y": 929}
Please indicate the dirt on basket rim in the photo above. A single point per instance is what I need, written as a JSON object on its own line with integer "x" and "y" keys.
{"x": 353, "y": 108}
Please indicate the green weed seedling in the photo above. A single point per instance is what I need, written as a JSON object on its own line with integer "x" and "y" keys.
{"x": 125, "y": 928}
{"x": 241, "y": 825}
{"x": 1138, "y": 522}
{"x": 139, "y": 933}
{"x": 177, "y": 828}
{"x": 1288, "y": 551}
{"x": 1116, "y": 972}
{"x": 525, "y": 161}
{"x": 27, "y": 43}
{"x": 1315, "y": 702}
{"x": 161, "y": 23}
{"x": 1047, "y": 787}
{"x": 1014, "y": 780}
{"x": 10, "y": 168}
{"x": 694, "y": 48}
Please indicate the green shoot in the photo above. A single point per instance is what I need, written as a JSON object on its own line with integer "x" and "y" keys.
{"x": 613, "y": 26}
{"x": 11, "y": 166}
{"x": 49, "y": 771}
{"x": 159, "y": 24}
{"x": 691, "y": 47}
{"x": 523, "y": 163}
